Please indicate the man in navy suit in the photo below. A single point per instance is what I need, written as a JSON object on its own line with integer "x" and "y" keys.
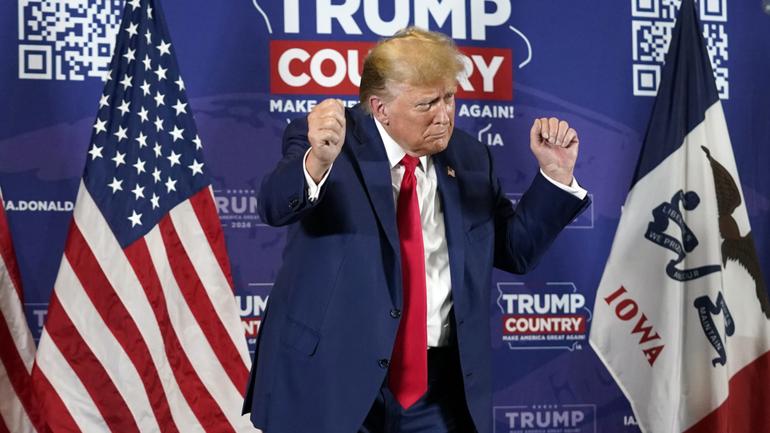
{"x": 379, "y": 317}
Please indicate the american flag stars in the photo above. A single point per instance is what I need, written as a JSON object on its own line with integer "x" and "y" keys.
{"x": 161, "y": 73}
{"x": 159, "y": 99}
{"x": 176, "y": 134}
{"x": 173, "y": 158}
{"x": 180, "y": 107}
{"x": 142, "y": 140}
{"x": 143, "y": 128}
{"x": 164, "y": 48}
{"x": 124, "y": 108}
{"x": 100, "y": 126}
{"x": 143, "y": 114}
{"x": 121, "y": 134}
{"x": 126, "y": 82}
{"x": 138, "y": 191}
{"x": 119, "y": 159}
{"x": 170, "y": 185}
{"x": 196, "y": 167}
{"x": 145, "y": 88}
{"x": 116, "y": 185}
{"x": 131, "y": 30}
{"x": 130, "y": 55}
{"x": 135, "y": 218}
{"x": 96, "y": 151}
{"x": 139, "y": 166}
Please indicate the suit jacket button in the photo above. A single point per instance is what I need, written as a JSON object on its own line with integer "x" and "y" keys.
{"x": 395, "y": 313}
{"x": 383, "y": 363}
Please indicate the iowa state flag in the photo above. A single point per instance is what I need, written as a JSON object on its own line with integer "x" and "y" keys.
{"x": 682, "y": 319}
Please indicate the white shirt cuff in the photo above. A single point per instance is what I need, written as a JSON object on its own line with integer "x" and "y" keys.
{"x": 574, "y": 188}
{"x": 313, "y": 189}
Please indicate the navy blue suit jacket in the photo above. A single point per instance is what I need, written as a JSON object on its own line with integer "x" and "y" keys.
{"x": 328, "y": 330}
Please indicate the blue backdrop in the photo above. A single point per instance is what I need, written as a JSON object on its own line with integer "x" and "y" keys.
{"x": 250, "y": 66}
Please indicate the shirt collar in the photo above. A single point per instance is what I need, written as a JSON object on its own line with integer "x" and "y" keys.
{"x": 394, "y": 150}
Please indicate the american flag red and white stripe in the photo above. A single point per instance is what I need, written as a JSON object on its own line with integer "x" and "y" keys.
{"x": 142, "y": 332}
{"x": 18, "y": 408}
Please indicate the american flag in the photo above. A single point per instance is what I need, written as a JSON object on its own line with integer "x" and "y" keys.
{"x": 142, "y": 332}
{"x": 18, "y": 408}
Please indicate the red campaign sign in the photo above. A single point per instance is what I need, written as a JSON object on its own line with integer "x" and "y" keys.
{"x": 334, "y": 68}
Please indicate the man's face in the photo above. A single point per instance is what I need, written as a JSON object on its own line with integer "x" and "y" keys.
{"x": 420, "y": 118}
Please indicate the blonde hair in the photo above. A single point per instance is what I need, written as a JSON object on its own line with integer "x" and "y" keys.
{"x": 412, "y": 56}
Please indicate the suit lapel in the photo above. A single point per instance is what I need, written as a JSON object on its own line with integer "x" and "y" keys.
{"x": 375, "y": 170}
{"x": 449, "y": 190}
{"x": 369, "y": 152}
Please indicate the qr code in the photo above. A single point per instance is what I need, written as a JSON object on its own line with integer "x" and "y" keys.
{"x": 652, "y": 24}
{"x": 67, "y": 39}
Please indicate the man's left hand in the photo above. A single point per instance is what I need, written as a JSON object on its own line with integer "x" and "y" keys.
{"x": 555, "y": 145}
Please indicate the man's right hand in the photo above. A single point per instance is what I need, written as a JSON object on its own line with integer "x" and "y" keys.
{"x": 326, "y": 134}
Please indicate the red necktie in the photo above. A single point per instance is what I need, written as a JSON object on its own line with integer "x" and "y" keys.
{"x": 408, "y": 374}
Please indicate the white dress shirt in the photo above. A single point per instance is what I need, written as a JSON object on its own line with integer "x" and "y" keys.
{"x": 437, "y": 277}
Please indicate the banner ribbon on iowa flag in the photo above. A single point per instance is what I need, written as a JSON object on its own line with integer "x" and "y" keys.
{"x": 682, "y": 319}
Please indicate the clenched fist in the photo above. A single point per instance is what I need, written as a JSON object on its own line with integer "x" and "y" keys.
{"x": 326, "y": 134}
{"x": 555, "y": 145}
